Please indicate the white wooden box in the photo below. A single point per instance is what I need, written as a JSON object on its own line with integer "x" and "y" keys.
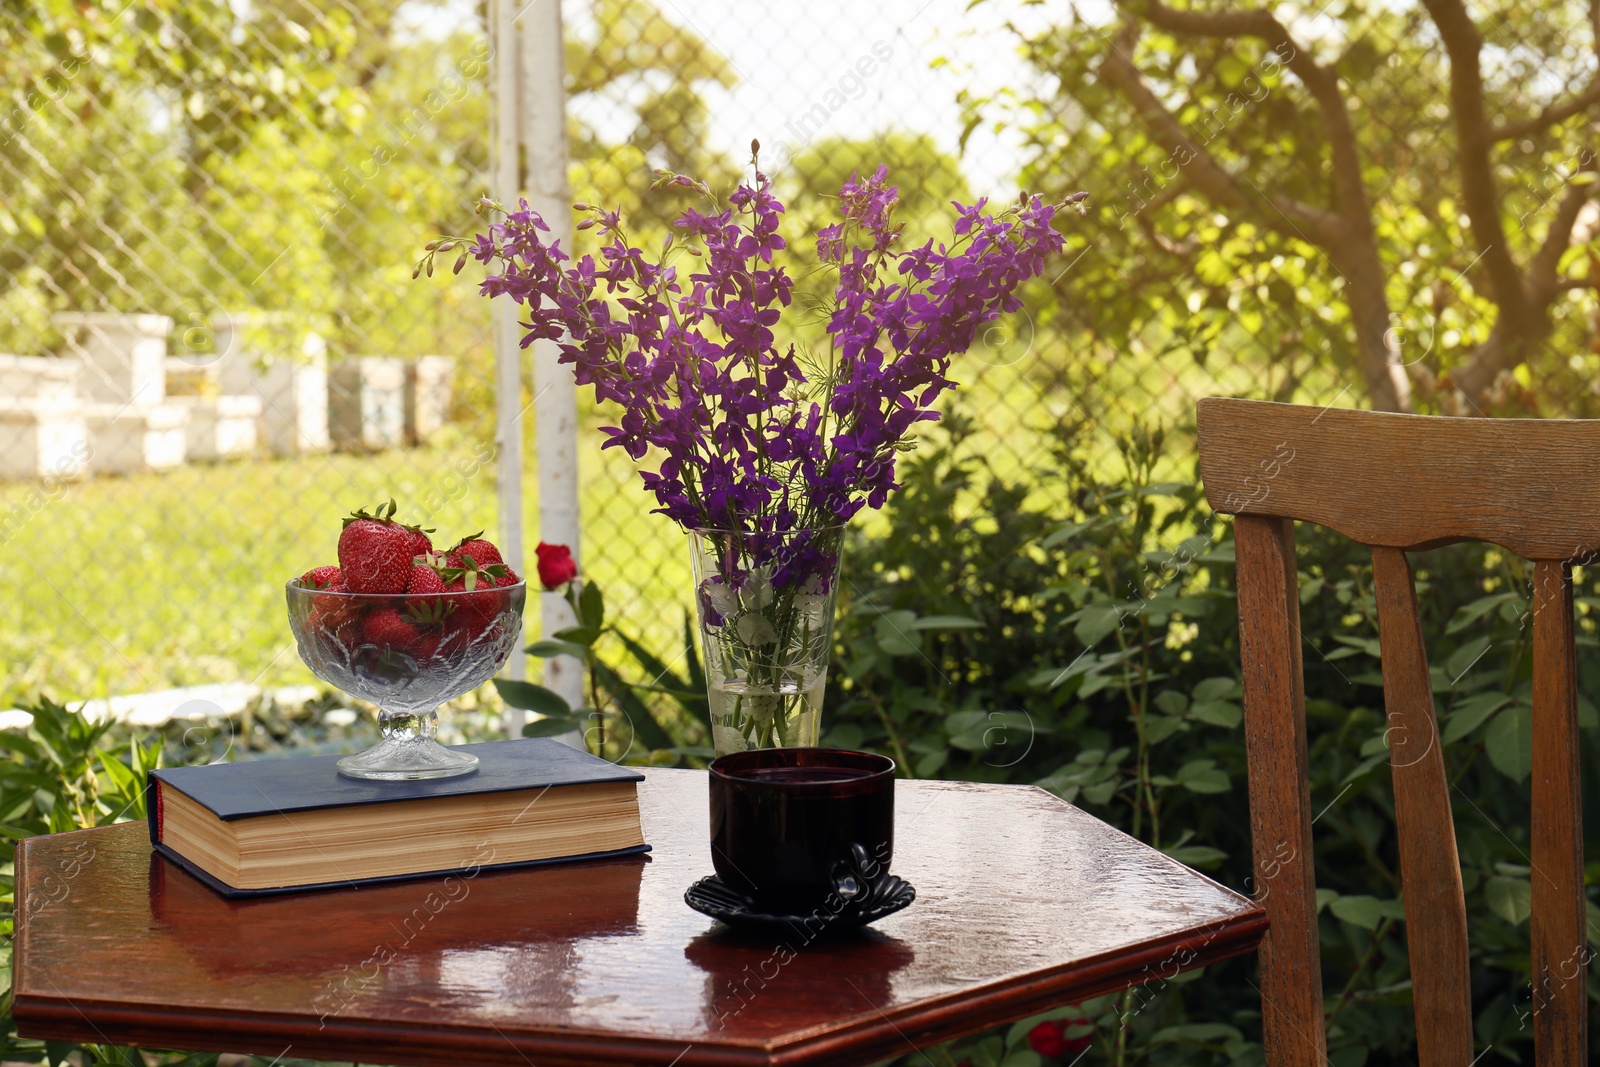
{"x": 129, "y": 438}
{"x": 43, "y": 437}
{"x": 124, "y": 356}
{"x": 430, "y": 381}
{"x": 39, "y": 378}
{"x": 220, "y": 427}
{"x": 293, "y": 389}
{"x": 366, "y": 403}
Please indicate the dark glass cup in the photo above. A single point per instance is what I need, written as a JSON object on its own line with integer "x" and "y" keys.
{"x": 802, "y": 829}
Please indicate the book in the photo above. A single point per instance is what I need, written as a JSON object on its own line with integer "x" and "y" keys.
{"x": 274, "y": 826}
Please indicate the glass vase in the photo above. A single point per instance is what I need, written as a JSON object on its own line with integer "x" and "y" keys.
{"x": 765, "y": 602}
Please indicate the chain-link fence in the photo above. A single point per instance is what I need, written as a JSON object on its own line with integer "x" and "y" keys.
{"x": 212, "y": 210}
{"x": 216, "y": 348}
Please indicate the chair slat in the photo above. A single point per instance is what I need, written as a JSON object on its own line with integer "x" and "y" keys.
{"x": 1280, "y": 800}
{"x": 1407, "y": 481}
{"x": 1436, "y": 910}
{"x": 1560, "y": 953}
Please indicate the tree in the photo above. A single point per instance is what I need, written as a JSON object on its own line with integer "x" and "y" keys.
{"x": 635, "y": 67}
{"x": 1399, "y": 190}
{"x": 199, "y": 158}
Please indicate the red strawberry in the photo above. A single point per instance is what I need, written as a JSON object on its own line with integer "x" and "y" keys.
{"x": 423, "y": 579}
{"x": 482, "y": 552}
{"x": 420, "y": 544}
{"x": 428, "y": 647}
{"x": 337, "y": 627}
{"x": 474, "y": 611}
{"x": 321, "y": 577}
{"x": 387, "y": 628}
{"x": 509, "y": 578}
{"x": 375, "y": 552}
{"x": 433, "y": 610}
{"x": 331, "y": 615}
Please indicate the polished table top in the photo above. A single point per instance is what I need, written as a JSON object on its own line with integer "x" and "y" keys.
{"x": 1023, "y": 903}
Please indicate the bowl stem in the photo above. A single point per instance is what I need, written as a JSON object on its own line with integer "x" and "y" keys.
{"x": 407, "y": 751}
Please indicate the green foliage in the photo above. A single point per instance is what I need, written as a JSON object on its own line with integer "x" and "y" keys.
{"x": 1079, "y": 631}
{"x": 658, "y": 722}
{"x": 1195, "y": 255}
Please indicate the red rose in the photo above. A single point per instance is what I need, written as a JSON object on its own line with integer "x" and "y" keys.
{"x": 556, "y": 565}
{"x": 1050, "y": 1038}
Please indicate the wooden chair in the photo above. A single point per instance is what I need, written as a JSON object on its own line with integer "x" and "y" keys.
{"x": 1399, "y": 483}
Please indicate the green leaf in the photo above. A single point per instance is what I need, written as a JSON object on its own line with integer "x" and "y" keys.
{"x": 1172, "y": 702}
{"x": 1064, "y": 533}
{"x": 1365, "y": 766}
{"x": 578, "y": 635}
{"x": 591, "y": 607}
{"x": 1095, "y": 622}
{"x": 947, "y": 622}
{"x": 1157, "y": 728}
{"x": 1471, "y": 613}
{"x": 1195, "y": 1033}
{"x": 1218, "y": 689}
{"x": 1509, "y": 741}
{"x": 1366, "y": 912}
{"x": 532, "y": 697}
{"x": 1470, "y": 713}
{"x": 1509, "y": 898}
{"x": 1197, "y": 855}
{"x": 555, "y": 724}
{"x": 1369, "y": 645}
{"x": 549, "y": 648}
{"x": 687, "y": 689}
{"x": 642, "y": 723}
{"x": 1217, "y": 713}
{"x": 1464, "y": 657}
{"x": 1203, "y": 776}
{"x": 1051, "y": 677}
{"x": 896, "y": 634}
{"x": 1022, "y": 1057}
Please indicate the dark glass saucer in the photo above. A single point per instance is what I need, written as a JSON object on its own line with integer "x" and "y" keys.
{"x": 711, "y": 896}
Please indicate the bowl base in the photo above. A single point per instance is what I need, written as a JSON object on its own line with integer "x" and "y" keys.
{"x": 407, "y": 759}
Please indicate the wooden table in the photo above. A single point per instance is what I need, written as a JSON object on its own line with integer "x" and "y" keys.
{"x": 1023, "y": 903}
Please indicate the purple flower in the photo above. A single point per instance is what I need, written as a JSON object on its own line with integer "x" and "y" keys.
{"x": 730, "y": 431}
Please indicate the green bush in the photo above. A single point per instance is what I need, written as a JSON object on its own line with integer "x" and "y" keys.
{"x": 1080, "y": 632}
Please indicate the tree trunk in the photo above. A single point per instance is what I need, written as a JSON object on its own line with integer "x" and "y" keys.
{"x": 1379, "y": 351}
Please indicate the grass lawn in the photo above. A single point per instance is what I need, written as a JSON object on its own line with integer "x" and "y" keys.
{"x": 122, "y": 585}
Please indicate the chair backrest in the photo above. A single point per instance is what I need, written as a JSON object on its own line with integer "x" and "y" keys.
{"x": 1398, "y": 483}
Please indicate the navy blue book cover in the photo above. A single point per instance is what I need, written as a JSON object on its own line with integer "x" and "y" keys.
{"x": 267, "y": 787}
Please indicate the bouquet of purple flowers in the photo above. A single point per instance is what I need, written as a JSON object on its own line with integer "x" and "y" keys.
{"x": 761, "y": 449}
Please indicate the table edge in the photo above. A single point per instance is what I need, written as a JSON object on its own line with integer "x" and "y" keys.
{"x": 863, "y": 1038}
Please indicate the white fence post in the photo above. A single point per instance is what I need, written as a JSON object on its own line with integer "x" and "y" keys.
{"x": 544, "y": 131}
{"x": 508, "y": 356}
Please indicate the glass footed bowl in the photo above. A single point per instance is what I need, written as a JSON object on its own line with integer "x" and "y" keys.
{"x": 406, "y": 653}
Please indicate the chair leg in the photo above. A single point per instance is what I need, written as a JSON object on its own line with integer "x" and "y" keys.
{"x": 1560, "y": 947}
{"x": 1280, "y": 797}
